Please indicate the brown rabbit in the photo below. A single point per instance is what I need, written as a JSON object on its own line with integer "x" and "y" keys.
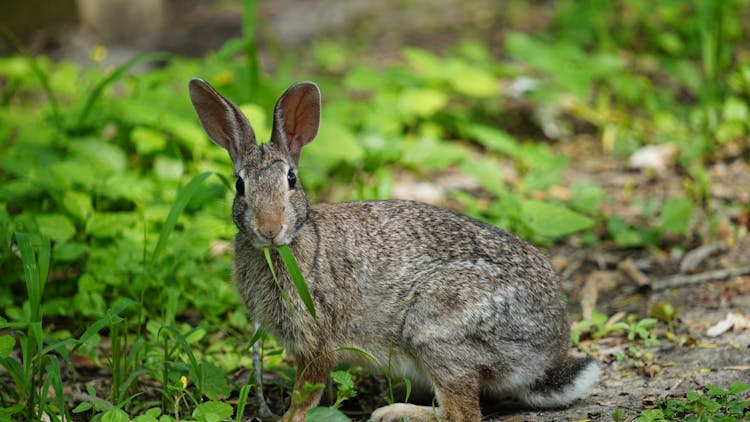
{"x": 454, "y": 303}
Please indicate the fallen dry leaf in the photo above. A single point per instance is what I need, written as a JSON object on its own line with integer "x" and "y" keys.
{"x": 733, "y": 320}
{"x": 597, "y": 281}
{"x": 656, "y": 157}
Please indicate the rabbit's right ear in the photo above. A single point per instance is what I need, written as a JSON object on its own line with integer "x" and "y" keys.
{"x": 222, "y": 120}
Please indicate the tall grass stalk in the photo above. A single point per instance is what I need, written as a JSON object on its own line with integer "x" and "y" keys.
{"x": 249, "y": 26}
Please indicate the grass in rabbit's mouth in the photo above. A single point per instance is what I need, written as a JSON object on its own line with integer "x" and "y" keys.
{"x": 287, "y": 257}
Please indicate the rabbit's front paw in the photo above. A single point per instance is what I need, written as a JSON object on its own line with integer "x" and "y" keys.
{"x": 404, "y": 412}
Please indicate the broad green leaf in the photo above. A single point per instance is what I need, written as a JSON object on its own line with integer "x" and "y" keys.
{"x": 168, "y": 168}
{"x": 296, "y": 275}
{"x": 78, "y": 204}
{"x": 424, "y": 63}
{"x": 738, "y": 387}
{"x": 586, "y": 198}
{"x": 494, "y": 139}
{"x": 676, "y": 214}
{"x": 73, "y": 172}
{"x": 326, "y": 414}
{"x": 109, "y": 224}
{"x": 148, "y": 140}
{"x": 70, "y": 251}
{"x": 433, "y": 154}
{"x": 422, "y": 102}
{"x": 213, "y": 411}
{"x": 104, "y": 156}
{"x": 6, "y": 345}
{"x": 115, "y": 415}
{"x": 334, "y": 143}
{"x": 56, "y": 226}
{"x": 128, "y": 185}
{"x": 487, "y": 171}
{"x": 215, "y": 385}
{"x": 552, "y": 220}
{"x": 476, "y": 82}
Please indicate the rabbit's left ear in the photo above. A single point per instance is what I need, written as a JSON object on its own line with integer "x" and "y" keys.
{"x": 296, "y": 118}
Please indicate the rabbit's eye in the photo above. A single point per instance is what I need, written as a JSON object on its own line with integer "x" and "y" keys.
{"x": 240, "y": 186}
{"x": 291, "y": 178}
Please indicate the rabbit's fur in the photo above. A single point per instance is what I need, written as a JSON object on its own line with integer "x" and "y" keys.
{"x": 454, "y": 303}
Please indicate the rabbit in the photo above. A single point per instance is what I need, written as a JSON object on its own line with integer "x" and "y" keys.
{"x": 453, "y": 303}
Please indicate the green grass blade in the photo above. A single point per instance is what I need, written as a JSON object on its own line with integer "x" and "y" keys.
{"x": 31, "y": 275}
{"x": 53, "y": 377}
{"x": 174, "y": 213}
{"x": 45, "y": 249}
{"x": 249, "y": 26}
{"x": 242, "y": 400}
{"x": 116, "y": 74}
{"x": 259, "y": 333}
{"x": 267, "y": 254}
{"x": 297, "y": 278}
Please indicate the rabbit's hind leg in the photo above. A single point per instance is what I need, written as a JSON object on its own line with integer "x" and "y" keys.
{"x": 458, "y": 401}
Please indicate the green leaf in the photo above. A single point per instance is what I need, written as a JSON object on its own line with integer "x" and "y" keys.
{"x": 296, "y": 275}
{"x": 421, "y": 102}
{"x": 115, "y": 415}
{"x": 56, "y": 226}
{"x": 70, "y": 251}
{"x": 215, "y": 385}
{"x": 168, "y": 168}
{"x": 586, "y": 198}
{"x": 676, "y": 214}
{"x": 103, "y": 156}
{"x": 552, "y": 220}
{"x": 267, "y": 254}
{"x": 326, "y": 414}
{"x": 431, "y": 153}
{"x": 213, "y": 411}
{"x": 148, "y": 140}
{"x": 78, "y": 204}
{"x": 343, "y": 379}
{"x": 109, "y": 224}
{"x": 494, "y": 140}
{"x": 738, "y": 387}
{"x": 7, "y": 343}
{"x": 475, "y": 82}
{"x": 333, "y": 144}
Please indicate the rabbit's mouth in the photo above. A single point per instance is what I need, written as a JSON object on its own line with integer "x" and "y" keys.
{"x": 271, "y": 239}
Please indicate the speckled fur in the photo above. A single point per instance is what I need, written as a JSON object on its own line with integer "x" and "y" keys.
{"x": 464, "y": 306}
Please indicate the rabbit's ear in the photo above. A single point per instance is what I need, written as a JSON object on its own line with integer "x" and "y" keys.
{"x": 296, "y": 118}
{"x": 223, "y": 122}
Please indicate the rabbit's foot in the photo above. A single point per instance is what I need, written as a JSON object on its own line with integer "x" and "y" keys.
{"x": 402, "y": 411}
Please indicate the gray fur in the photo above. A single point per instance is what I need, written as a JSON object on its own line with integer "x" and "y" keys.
{"x": 464, "y": 306}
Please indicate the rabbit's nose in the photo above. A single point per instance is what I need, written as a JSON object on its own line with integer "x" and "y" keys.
{"x": 269, "y": 227}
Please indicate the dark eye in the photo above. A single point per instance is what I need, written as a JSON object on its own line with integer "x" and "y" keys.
{"x": 291, "y": 178}
{"x": 240, "y": 186}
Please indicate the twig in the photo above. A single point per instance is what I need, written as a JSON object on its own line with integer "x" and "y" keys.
{"x": 681, "y": 280}
{"x": 263, "y": 409}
